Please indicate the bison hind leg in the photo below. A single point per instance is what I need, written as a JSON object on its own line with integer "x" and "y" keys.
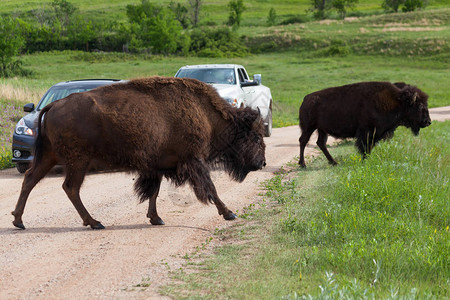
{"x": 147, "y": 187}
{"x": 365, "y": 143}
{"x": 322, "y": 143}
{"x": 303, "y": 140}
{"x": 75, "y": 173}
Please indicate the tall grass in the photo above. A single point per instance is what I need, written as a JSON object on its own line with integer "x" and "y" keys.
{"x": 10, "y": 114}
{"x": 365, "y": 229}
{"x": 19, "y": 95}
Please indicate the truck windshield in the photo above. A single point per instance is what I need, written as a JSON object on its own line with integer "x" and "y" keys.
{"x": 210, "y": 75}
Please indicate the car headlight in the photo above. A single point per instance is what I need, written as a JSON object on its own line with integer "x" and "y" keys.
{"x": 232, "y": 101}
{"x": 23, "y": 129}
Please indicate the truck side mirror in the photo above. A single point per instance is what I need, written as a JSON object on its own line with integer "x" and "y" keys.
{"x": 257, "y": 78}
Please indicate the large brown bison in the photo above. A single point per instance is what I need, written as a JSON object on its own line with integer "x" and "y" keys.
{"x": 367, "y": 111}
{"x": 156, "y": 127}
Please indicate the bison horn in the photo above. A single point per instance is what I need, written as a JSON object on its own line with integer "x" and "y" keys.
{"x": 259, "y": 113}
{"x": 414, "y": 97}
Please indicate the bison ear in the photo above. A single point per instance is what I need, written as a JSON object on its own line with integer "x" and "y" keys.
{"x": 248, "y": 116}
{"x": 409, "y": 95}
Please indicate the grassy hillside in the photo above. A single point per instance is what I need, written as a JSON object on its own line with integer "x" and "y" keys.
{"x": 212, "y": 10}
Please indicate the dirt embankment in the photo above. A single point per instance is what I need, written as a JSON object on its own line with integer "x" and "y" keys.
{"x": 56, "y": 257}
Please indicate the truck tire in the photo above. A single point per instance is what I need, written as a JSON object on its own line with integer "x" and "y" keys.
{"x": 268, "y": 127}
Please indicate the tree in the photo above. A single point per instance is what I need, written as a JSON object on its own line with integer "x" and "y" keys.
{"x": 342, "y": 5}
{"x": 64, "y": 11}
{"x": 236, "y": 8}
{"x": 195, "y": 6}
{"x": 81, "y": 33}
{"x": 11, "y": 41}
{"x": 180, "y": 12}
{"x": 412, "y": 5}
{"x": 155, "y": 27}
{"x": 319, "y": 8}
{"x": 408, "y": 5}
{"x": 272, "y": 17}
{"x": 392, "y": 5}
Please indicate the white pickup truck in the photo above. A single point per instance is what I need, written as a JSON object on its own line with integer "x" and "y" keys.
{"x": 233, "y": 84}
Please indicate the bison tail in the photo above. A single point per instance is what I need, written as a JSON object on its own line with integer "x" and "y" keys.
{"x": 39, "y": 143}
{"x": 146, "y": 186}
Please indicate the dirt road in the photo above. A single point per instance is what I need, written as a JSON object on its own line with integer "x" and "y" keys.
{"x": 56, "y": 257}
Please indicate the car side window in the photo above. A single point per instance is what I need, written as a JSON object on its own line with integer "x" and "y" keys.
{"x": 241, "y": 76}
{"x": 244, "y": 74}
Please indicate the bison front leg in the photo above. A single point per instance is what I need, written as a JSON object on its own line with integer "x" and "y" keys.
{"x": 72, "y": 185}
{"x": 205, "y": 190}
{"x": 32, "y": 177}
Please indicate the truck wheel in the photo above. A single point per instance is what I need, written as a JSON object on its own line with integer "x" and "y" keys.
{"x": 268, "y": 127}
{"x": 22, "y": 167}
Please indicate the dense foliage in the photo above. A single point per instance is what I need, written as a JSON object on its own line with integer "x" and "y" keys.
{"x": 150, "y": 28}
{"x": 11, "y": 42}
{"x": 406, "y": 5}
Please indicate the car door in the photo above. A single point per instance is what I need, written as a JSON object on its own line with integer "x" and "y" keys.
{"x": 249, "y": 91}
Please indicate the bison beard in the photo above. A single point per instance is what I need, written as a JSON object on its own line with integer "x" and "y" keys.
{"x": 367, "y": 111}
{"x": 156, "y": 127}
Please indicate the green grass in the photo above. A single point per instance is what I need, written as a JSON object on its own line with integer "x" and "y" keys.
{"x": 376, "y": 229}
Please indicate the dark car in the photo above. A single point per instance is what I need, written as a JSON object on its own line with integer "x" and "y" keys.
{"x": 25, "y": 133}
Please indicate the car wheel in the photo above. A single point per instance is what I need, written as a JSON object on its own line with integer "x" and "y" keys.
{"x": 268, "y": 127}
{"x": 22, "y": 167}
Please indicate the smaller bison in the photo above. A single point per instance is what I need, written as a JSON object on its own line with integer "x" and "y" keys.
{"x": 155, "y": 127}
{"x": 367, "y": 111}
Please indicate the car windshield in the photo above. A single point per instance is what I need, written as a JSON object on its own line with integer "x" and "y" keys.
{"x": 210, "y": 75}
{"x": 56, "y": 93}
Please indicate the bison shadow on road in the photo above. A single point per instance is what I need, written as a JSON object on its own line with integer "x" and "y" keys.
{"x": 57, "y": 230}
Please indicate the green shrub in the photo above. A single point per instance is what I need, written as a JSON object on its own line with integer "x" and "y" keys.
{"x": 336, "y": 48}
{"x": 5, "y": 158}
{"x": 272, "y": 17}
{"x": 221, "y": 42}
{"x": 412, "y": 5}
{"x": 295, "y": 20}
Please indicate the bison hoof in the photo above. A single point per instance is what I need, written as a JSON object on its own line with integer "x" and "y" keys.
{"x": 19, "y": 225}
{"x": 157, "y": 221}
{"x": 98, "y": 226}
{"x": 229, "y": 216}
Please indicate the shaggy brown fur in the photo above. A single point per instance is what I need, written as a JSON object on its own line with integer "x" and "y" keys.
{"x": 157, "y": 127}
{"x": 368, "y": 111}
